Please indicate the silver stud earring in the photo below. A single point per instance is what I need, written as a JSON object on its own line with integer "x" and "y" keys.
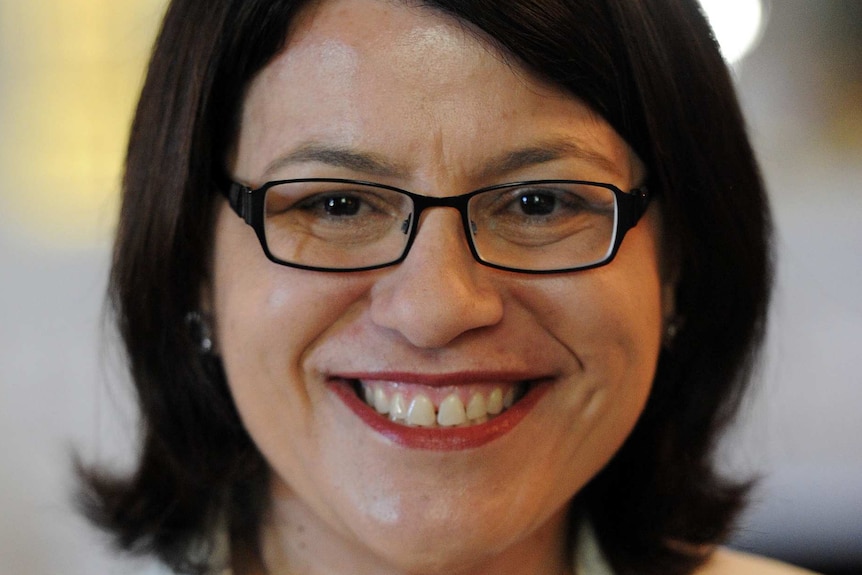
{"x": 200, "y": 331}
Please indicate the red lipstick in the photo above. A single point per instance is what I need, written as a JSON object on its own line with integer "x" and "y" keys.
{"x": 439, "y": 438}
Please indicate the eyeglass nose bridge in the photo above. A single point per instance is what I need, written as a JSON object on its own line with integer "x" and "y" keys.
{"x": 421, "y": 203}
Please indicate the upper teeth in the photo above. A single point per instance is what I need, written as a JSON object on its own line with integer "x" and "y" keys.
{"x": 420, "y": 410}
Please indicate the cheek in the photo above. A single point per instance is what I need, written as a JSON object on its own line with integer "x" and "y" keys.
{"x": 258, "y": 303}
{"x": 268, "y": 317}
{"x": 608, "y": 319}
{"x": 599, "y": 314}
{"x": 613, "y": 336}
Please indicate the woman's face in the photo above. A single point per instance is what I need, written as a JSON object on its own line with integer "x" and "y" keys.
{"x": 407, "y": 97}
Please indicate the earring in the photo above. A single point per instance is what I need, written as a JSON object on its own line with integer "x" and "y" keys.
{"x": 198, "y": 325}
{"x": 672, "y": 326}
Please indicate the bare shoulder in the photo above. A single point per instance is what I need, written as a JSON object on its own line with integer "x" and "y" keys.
{"x": 728, "y": 562}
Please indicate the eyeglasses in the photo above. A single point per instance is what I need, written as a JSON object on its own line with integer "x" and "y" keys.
{"x": 338, "y": 225}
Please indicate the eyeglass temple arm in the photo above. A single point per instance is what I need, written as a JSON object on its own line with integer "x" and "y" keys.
{"x": 239, "y": 197}
{"x": 636, "y": 204}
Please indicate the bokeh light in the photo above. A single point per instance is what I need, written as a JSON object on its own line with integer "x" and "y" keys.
{"x": 737, "y": 25}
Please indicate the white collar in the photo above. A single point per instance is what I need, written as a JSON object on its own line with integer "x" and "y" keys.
{"x": 589, "y": 559}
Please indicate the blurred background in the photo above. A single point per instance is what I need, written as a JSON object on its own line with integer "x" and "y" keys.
{"x": 69, "y": 74}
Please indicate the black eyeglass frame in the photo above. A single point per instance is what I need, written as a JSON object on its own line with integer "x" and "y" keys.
{"x": 249, "y": 204}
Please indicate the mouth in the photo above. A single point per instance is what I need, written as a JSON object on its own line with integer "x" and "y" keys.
{"x": 448, "y": 406}
{"x": 439, "y": 413}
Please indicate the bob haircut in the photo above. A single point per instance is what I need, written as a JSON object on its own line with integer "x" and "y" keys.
{"x": 651, "y": 68}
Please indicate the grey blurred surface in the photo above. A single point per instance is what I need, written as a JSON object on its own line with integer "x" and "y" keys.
{"x": 802, "y": 90}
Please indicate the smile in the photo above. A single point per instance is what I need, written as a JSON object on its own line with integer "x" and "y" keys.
{"x": 448, "y": 406}
{"x": 439, "y": 413}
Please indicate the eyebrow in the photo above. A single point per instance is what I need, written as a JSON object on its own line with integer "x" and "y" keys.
{"x": 376, "y": 165}
{"x": 338, "y": 157}
{"x": 545, "y": 152}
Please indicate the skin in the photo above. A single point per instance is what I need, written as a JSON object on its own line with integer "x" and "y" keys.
{"x": 436, "y": 108}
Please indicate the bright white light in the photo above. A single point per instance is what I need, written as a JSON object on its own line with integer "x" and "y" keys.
{"x": 737, "y": 25}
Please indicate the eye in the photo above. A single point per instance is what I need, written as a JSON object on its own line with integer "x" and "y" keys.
{"x": 546, "y": 202}
{"x": 554, "y": 208}
{"x": 341, "y": 205}
{"x": 334, "y": 203}
{"x": 537, "y": 203}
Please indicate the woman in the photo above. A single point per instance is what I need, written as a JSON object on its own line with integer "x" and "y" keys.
{"x": 505, "y": 273}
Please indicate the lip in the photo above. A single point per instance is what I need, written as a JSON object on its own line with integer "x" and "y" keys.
{"x": 447, "y": 438}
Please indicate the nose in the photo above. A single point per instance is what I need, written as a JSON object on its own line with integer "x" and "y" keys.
{"x": 439, "y": 291}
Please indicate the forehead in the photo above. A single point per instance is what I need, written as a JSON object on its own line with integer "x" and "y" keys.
{"x": 393, "y": 31}
{"x": 408, "y": 82}
{"x": 380, "y": 47}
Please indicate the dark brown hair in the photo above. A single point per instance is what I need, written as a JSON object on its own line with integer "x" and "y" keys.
{"x": 650, "y": 67}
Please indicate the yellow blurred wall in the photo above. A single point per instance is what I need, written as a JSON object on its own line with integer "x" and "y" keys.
{"x": 70, "y": 71}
